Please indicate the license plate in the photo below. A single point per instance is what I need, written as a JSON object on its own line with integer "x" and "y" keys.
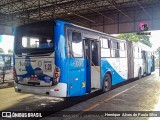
{"x": 33, "y": 82}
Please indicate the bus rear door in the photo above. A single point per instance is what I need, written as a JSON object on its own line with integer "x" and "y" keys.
{"x": 76, "y": 64}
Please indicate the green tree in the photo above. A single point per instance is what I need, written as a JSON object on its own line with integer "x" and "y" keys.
{"x": 10, "y": 51}
{"x": 1, "y": 50}
{"x": 145, "y": 39}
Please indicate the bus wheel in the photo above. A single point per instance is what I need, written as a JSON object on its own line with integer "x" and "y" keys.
{"x": 107, "y": 83}
{"x": 139, "y": 74}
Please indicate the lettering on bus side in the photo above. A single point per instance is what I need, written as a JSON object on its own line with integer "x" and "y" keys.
{"x": 25, "y": 63}
{"x": 78, "y": 63}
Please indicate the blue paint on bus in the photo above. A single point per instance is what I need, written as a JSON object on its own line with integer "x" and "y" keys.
{"x": 106, "y": 67}
{"x": 32, "y": 72}
{"x": 70, "y": 74}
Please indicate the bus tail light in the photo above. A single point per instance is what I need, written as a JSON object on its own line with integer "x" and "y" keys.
{"x": 57, "y": 69}
{"x": 15, "y": 75}
{"x": 14, "y": 72}
{"x": 56, "y": 90}
{"x": 56, "y": 76}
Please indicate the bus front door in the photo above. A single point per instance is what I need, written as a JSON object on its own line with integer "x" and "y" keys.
{"x": 92, "y": 53}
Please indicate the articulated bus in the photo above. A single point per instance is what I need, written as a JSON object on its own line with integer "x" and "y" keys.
{"x": 61, "y": 59}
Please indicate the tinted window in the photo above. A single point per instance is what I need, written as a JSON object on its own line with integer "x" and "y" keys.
{"x": 122, "y": 48}
{"x": 115, "y": 49}
{"x": 115, "y": 53}
{"x": 77, "y": 44}
{"x": 105, "y": 47}
{"x": 36, "y": 42}
{"x": 34, "y": 39}
{"x": 114, "y": 45}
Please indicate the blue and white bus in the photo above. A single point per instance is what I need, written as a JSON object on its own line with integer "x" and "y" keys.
{"x": 61, "y": 59}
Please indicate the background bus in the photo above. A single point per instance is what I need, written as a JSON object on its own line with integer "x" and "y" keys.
{"x": 62, "y": 59}
{"x": 6, "y": 66}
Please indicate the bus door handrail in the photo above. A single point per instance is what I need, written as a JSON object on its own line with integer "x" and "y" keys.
{"x": 94, "y": 65}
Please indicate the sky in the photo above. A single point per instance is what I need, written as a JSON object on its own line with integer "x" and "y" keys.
{"x": 155, "y": 39}
{"x": 6, "y": 41}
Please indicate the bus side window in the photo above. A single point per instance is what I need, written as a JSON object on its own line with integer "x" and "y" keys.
{"x": 75, "y": 43}
{"x": 69, "y": 43}
{"x": 77, "y": 48}
{"x": 115, "y": 49}
{"x": 122, "y": 51}
{"x": 105, "y": 47}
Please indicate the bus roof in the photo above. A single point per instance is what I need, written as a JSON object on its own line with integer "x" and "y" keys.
{"x": 102, "y": 33}
{"x": 37, "y": 24}
{"x": 142, "y": 46}
{"x": 52, "y": 23}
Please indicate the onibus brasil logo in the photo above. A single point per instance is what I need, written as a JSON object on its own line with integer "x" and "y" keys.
{"x": 143, "y": 27}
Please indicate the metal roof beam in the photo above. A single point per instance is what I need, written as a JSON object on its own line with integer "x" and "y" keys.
{"x": 120, "y": 10}
{"x": 143, "y": 9}
{"x": 102, "y": 15}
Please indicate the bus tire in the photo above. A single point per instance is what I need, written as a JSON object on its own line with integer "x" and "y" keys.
{"x": 107, "y": 83}
{"x": 139, "y": 74}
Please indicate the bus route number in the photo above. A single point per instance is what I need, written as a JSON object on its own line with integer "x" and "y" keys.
{"x": 48, "y": 67}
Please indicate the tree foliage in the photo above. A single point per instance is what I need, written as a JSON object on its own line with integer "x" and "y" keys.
{"x": 145, "y": 39}
{"x": 1, "y": 50}
{"x": 10, "y": 51}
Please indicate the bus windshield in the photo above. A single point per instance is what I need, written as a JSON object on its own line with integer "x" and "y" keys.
{"x": 34, "y": 40}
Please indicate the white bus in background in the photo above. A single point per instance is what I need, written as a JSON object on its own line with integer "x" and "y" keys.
{"x": 141, "y": 63}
